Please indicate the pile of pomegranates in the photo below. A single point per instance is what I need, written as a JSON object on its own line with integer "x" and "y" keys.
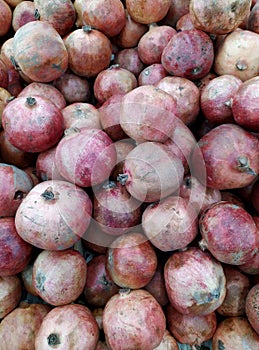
{"x": 129, "y": 163}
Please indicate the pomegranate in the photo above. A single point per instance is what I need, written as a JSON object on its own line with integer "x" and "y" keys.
{"x": 15, "y": 83}
{"x": 23, "y": 13}
{"x": 26, "y": 276}
{"x": 255, "y": 196}
{"x": 4, "y": 98}
{"x": 3, "y": 75}
{"x": 57, "y": 330}
{"x": 94, "y": 156}
{"x": 46, "y": 217}
{"x": 26, "y": 321}
{"x": 10, "y": 294}
{"x": 36, "y": 59}
{"x": 235, "y": 333}
{"x": 99, "y": 286}
{"x": 195, "y": 282}
{"x": 231, "y": 197}
{"x": 156, "y": 286}
{"x": 153, "y": 42}
{"x": 45, "y": 166}
{"x": 238, "y": 286}
{"x": 110, "y": 117}
{"x": 73, "y": 87}
{"x": 59, "y": 276}
{"x": 184, "y": 23}
{"x": 123, "y": 147}
{"x": 129, "y": 59}
{"x": 168, "y": 342}
{"x": 186, "y": 94}
{"x": 32, "y": 124}
{"x": 15, "y": 184}
{"x": 244, "y": 107}
{"x": 44, "y": 90}
{"x": 189, "y": 54}
{"x": 113, "y": 81}
{"x": 253, "y": 24}
{"x": 60, "y": 14}
{"x": 176, "y": 227}
{"x": 237, "y": 54}
{"x": 152, "y": 113}
{"x": 152, "y": 74}
{"x": 89, "y": 51}
{"x": 236, "y": 238}
{"x": 176, "y": 10}
{"x": 217, "y": 98}
{"x": 96, "y": 240}
{"x": 150, "y": 172}
{"x": 133, "y": 320}
{"x": 233, "y": 165}
{"x": 15, "y": 253}
{"x": 199, "y": 196}
{"x": 147, "y": 11}
{"x": 114, "y": 210}
{"x": 219, "y": 17}
{"x": 6, "y": 17}
{"x": 108, "y": 16}
{"x": 6, "y": 52}
{"x": 191, "y": 329}
{"x": 131, "y": 261}
{"x": 251, "y": 307}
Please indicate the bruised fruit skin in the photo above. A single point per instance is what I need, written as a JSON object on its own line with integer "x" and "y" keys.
{"x": 252, "y": 307}
{"x": 229, "y": 233}
{"x": 195, "y": 282}
{"x": 131, "y": 261}
{"x": 234, "y": 164}
{"x": 189, "y": 54}
{"x": 133, "y": 320}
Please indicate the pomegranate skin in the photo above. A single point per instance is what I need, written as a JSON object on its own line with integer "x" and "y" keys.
{"x": 10, "y": 294}
{"x": 233, "y": 165}
{"x": 189, "y": 54}
{"x": 133, "y": 320}
{"x": 252, "y": 306}
{"x": 57, "y": 330}
{"x": 195, "y": 282}
{"x": 235, "y": 333}
{"x": 255, "y": 196}
{"x": 229, "y": 233}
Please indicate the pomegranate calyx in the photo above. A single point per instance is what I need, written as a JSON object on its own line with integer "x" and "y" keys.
{"x": 124, "y": 291}
{"x": 49, "y": 194}
{"x": 243, "y": 165}
{"x": 53, "y": 340}
{"x": 203, "y": 245}
{"x": 122, "y": 178}
{"x": 31, "y": 101}
{"x": 36, "y": 14}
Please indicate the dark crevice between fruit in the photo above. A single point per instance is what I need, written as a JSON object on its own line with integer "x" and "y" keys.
{"x": 18, "y": 195}
{"x": 15, "y": 64}
{"x": 244, "y": 166}
{"x": 122, "y": 178}
{"x": 53, "y": 339}
{"x": 37, "y": 15}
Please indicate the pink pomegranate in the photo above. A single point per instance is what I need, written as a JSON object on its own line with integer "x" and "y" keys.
{"x": 10, "y": 294}
{"x": 251, "y": 307}
{"x": 81, "y": 114}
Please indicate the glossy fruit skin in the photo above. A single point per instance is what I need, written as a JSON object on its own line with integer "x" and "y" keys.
{"x": 233, "y": 165}
{"x": 195, "y": 282}
{"x": 33, "y": 51}
{"x": 57, "y": 328}
{"x": 32, "y": 124}
{"x": 15, "y": 253}
{"x": 131, "y": 261}
{"x": 94, "y": 156}
{"x": 229, "y": 233}
{"x": 189, "y": 54}
{"x": 47, "y": 217}
{"x": 251, "y": 307}
{"x": 141, "y": 312}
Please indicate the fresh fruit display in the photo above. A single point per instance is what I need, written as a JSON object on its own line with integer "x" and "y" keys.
{"x": 129, "y": 175}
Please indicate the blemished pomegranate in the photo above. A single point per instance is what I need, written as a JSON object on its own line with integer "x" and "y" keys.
{"x": 237, "y": 54}
{"x": 152, "y": 111}
{"x": 99, "y": 286}
{"x": 47, "y": 217}
{"x": 195, "y": 282}
{"x": 151, "y": 172}
{"x": 217, "y": 98}
{"x": 229, "y": 233}
{"x": 251, "y": 307}
{"x": 114, "y": 209}
{"x": 57, "y": 330}
{"x": 238, "y": 286}
{"x": 94, "y": 156}
{"x": 235, "y": 333}
{"x": 176, "y": 227}
{"x": 23, "y": 13}
{"x": 15, "y": 184}
{"x": 129, "y": 59}
{"x": 168, "y": 342}
{"x": 3, "y": 75}
{"x": 26, "y": 276}
{"x": 244, "y": 106}
{"x": 149, "y": 11}
{"x": 176, "y": 10}
{"x": 6, "y": 17}
{"x": 189, "y": 329}
{"x": 59, "y": 276}
{"x": 133, "y": 319}
{"x": 131, "y": 260}
{"x": 184, "y": 22}
{"x": 10, "y": 294}
{"x": 32, "y": 124}
{"x": 255, "y": 196}
{"x": 156, "y": 286}
{"x": 152, "y": 74}
{"x": 36, "y": 59}
{"x": 15, "y": 253}
{"x": 26, "y": 321}
{"x": 219, "y": 17}
{"x": 189, "y": 54}
{"x": 233, "y": 165}
{"x": 123, "y": 147}
{"x": 45, "y": 166}
{"x": 81, "y": 114}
